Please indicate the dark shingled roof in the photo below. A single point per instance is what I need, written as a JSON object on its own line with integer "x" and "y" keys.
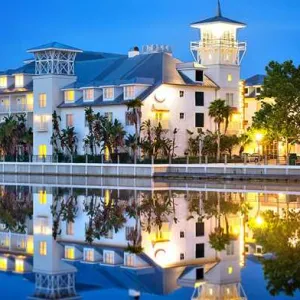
{"x": 255, "y": 80}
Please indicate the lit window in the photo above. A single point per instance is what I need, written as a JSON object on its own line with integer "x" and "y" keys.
{"x": 88, "y": 95}
{"x": 69, "y": 120}
{"x": 43, "y": 123}
{"x": 108, "y": 93}
{"x": 89, "y": 255}
{"x": 42, "y": 151}
{"x": 230, "y": 270}
{"x": 128, "y": 118}
{"x": 19, "y": 265}
{"x": 109, "y": 116}
{"x": 158, "y": 116}
{"x": 69, "y": 253}
{"x": 42, "y": 194}
{"x": 3, "y": 263}
{"x": 19, "y": 80}
{"x": 229, "y": 77}
{"x": 129, "y": 92}
{"x": 3, "y": 82}
{"x": 129, "y": 260}
{"x": 109, "y": 258}
{"x": 69, "y": 96}
{"x": 43, "y": 248}
{"x": 70, "y": 228}
{"x": 42, "y": 100}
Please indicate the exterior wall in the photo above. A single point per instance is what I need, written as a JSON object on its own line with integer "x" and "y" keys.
{"x": 176, "y": 105}
{"x": 51, "y": 86}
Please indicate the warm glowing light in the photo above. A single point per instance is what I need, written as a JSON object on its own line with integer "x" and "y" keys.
{"x": 42, "y": 194}
{"x": 259, "y": 137}
{"x": 229, "y": 77}
{"x": 19, "y": 265}
{"x": 42, "y": 151}
{"x": 19, "y": 80}
{"x": 3, "y": 263}
{"x": 30, "y": 245}
{"x": 230, "y": 270}
{"x": 43, "y": 248}
{"x": 3, "y": 82}
{"x": 106, "y": 153}
{"x": 69, "y": 96}
{"x": 106, "y": 197}
{"x": 42, "y": 100}
{"x": 69, "y": 253}
{"x": 259, "y": 220}
{"x": 210, "y": 291}
{"x": 160, "y": 256}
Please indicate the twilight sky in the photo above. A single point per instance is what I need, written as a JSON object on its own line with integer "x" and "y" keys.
{"x": 273, "y": 31}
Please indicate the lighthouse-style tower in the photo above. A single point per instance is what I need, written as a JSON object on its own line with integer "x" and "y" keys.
{"x": 221, "y": 53}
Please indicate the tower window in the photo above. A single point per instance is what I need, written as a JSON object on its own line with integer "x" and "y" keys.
{"x": 199, "y": 120}
{"x": 181, "y": 234}
{"x": 200, "y": 229}
{"x": 43, "y": 248}
{"x": 42, "y": 100}
{"x": 181, "y": 116}
{"x": 199, "y": 75}
{"x": 181, "y": 94}
{"x": 229, "y": 99}
{"x": 229, "y": 77}
{"x": 199, "y": 99}
{"x": 199, "y": 274}
{"x": 181, "y": 256}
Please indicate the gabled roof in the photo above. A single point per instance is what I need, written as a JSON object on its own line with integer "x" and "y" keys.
{"x": 257, "y": 79}
{"x": 52, "y": 46}
{"x": 149, "y": 69}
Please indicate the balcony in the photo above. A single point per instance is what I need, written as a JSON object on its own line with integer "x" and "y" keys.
{"x": 22, "y": 107}
{"x": 4, "y": 109}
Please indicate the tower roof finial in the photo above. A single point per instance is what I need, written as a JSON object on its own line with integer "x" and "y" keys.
{"x": 219, "y": 11}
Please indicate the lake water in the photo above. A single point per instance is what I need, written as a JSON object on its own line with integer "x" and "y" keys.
{"x": 105, "y": 237}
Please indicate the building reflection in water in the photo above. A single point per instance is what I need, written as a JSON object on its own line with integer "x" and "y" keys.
{"x": 152, "y": 241}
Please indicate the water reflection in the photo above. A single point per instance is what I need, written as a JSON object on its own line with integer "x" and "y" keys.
{"x": 149, "y": 240}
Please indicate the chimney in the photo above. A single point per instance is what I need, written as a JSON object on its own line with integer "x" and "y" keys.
{"x": 134, "y": 52}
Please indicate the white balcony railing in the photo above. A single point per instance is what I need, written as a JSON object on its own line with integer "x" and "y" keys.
{"x": 22, "y": 108}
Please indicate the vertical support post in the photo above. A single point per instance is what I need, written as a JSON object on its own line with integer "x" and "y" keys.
{"x": 102, "y": 158}
{"x": 170, "y": 159}
{"x": 118, "y": 159}
{"x": 225, "y": 159}
{"x": 152, "y": 159}
{"x": 206, "y": 159}
{"x": 187, "y": 159}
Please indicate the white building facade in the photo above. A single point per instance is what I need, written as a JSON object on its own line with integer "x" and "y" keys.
{"x": 65, "y": 79}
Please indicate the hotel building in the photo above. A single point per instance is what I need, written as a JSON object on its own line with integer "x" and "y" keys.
{"x": 176, "y": 94}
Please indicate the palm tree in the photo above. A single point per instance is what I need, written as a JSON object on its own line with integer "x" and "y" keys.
{"x": 220, "y": 112}
{"x": 69, "y": 140}
{"x": 135, "y": 114}
{"x": 90, "y": 138}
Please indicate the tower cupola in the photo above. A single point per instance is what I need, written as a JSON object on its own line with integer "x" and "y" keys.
{"x": 54, "y": 58}
{"x": 218, "y": 42}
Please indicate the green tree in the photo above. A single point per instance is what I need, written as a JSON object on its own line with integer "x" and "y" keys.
{"x": 220, "y": 112}
{"x": 280, "y": 235}
{"x": 134, "y": 115}
{"x": 228, "y": 142}
{"x": 282, "y": 85}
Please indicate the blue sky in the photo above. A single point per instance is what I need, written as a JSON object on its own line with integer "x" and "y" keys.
{"x": 114, "y": 26}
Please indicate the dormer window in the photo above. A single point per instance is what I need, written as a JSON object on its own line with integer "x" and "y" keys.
{"x": 108, "y": 93}
{"x": 88, "y": 95}
{"x": 199, "y": 75}
{"x": 69, "y": 96}
{"x": 19, "y": 80}
{"x": 129, "y": 92}
{"x": 3, "y": 82}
